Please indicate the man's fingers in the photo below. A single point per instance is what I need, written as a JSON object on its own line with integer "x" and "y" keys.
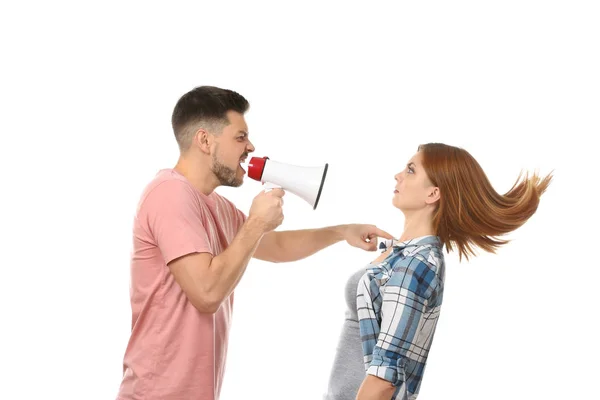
{"x": 368, "y": 243}
{"x": 370, "y": 246}
{"x": 382, "y": 233}
{"x": 365, "y": 245}
{"x": 277, "y": 192}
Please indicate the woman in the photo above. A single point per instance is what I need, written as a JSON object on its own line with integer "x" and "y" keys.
{"x": 394, "y": 302}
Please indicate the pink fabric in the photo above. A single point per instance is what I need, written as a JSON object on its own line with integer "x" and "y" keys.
{"x": 175, "y": 352}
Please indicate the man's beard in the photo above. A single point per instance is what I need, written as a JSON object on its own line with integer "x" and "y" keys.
{"x": 225, "y": 175}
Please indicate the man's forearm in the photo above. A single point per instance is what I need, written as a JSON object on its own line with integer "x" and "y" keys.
{"x": 228, "y": 267}
{"x": 299, "y": 244}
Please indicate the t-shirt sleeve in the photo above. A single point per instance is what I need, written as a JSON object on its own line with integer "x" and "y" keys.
{"x": 175, "y": 221}
{"x": 241, "y": 218}
{"x": 238, "y": 216}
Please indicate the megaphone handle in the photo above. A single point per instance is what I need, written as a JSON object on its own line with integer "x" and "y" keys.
{"x": 269, "y": 186}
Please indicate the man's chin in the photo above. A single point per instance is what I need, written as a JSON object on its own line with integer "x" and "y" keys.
{"x": 235, "y": 183}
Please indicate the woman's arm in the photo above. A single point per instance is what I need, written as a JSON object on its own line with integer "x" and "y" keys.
{"x": 374, "y": 388}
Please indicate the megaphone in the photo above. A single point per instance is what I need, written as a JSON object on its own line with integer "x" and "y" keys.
{"x": 305, "y": 182}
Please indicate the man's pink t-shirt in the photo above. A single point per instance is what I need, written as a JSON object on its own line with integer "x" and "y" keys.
{"x": 175, "y": 352}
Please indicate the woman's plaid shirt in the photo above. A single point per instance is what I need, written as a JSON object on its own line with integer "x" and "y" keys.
{"x": 398, "y": 302}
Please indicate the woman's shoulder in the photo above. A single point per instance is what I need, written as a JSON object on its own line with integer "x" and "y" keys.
{"x": 424, "y": 251}
{"x": 418, "y": 266}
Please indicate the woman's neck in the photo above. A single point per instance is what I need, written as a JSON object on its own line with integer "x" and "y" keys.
{"x": 417, "y": 224}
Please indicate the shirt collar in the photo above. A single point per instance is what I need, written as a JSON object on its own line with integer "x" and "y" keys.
{"x": 415, "y": 242}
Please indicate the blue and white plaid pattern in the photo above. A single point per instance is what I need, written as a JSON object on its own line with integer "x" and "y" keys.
{"x": 398, "y": 303}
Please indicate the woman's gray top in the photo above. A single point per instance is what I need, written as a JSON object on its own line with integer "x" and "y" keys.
{"x": 348, "y": 371}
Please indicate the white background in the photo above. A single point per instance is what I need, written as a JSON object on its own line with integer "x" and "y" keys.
{"x": 87, "y": 91}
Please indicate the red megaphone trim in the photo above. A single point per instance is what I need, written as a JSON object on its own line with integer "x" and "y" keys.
{"x": 256, "y": 167}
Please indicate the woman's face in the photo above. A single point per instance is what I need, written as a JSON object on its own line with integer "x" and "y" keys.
{"x": 414, "y": 190}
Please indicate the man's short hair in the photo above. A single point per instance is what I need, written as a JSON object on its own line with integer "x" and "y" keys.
{"x": 204, "y": 107}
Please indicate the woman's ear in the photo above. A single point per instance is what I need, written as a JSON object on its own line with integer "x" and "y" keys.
{"x": 433, "y": 196}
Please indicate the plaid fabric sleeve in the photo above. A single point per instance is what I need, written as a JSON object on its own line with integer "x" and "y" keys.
{"x": 399, "y": 296}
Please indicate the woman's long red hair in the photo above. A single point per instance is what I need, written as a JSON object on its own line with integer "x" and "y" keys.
{"x": 470, "y": 212}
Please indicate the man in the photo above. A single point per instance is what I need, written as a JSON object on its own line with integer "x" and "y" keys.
{"x": 191, "y": 248}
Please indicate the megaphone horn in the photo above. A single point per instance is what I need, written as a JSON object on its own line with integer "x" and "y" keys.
{"x": 305, "y": 182}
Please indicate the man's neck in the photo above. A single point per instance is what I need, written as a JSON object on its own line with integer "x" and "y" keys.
{"x": 199, "y": 175}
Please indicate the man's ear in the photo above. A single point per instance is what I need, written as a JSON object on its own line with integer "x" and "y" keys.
{"x": 203, "y": 140}
{"x": 433, "y": 196}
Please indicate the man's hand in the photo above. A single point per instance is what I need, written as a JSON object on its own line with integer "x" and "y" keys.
{"x": 266, "y": 210}
{"x": 364, "y": 236}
